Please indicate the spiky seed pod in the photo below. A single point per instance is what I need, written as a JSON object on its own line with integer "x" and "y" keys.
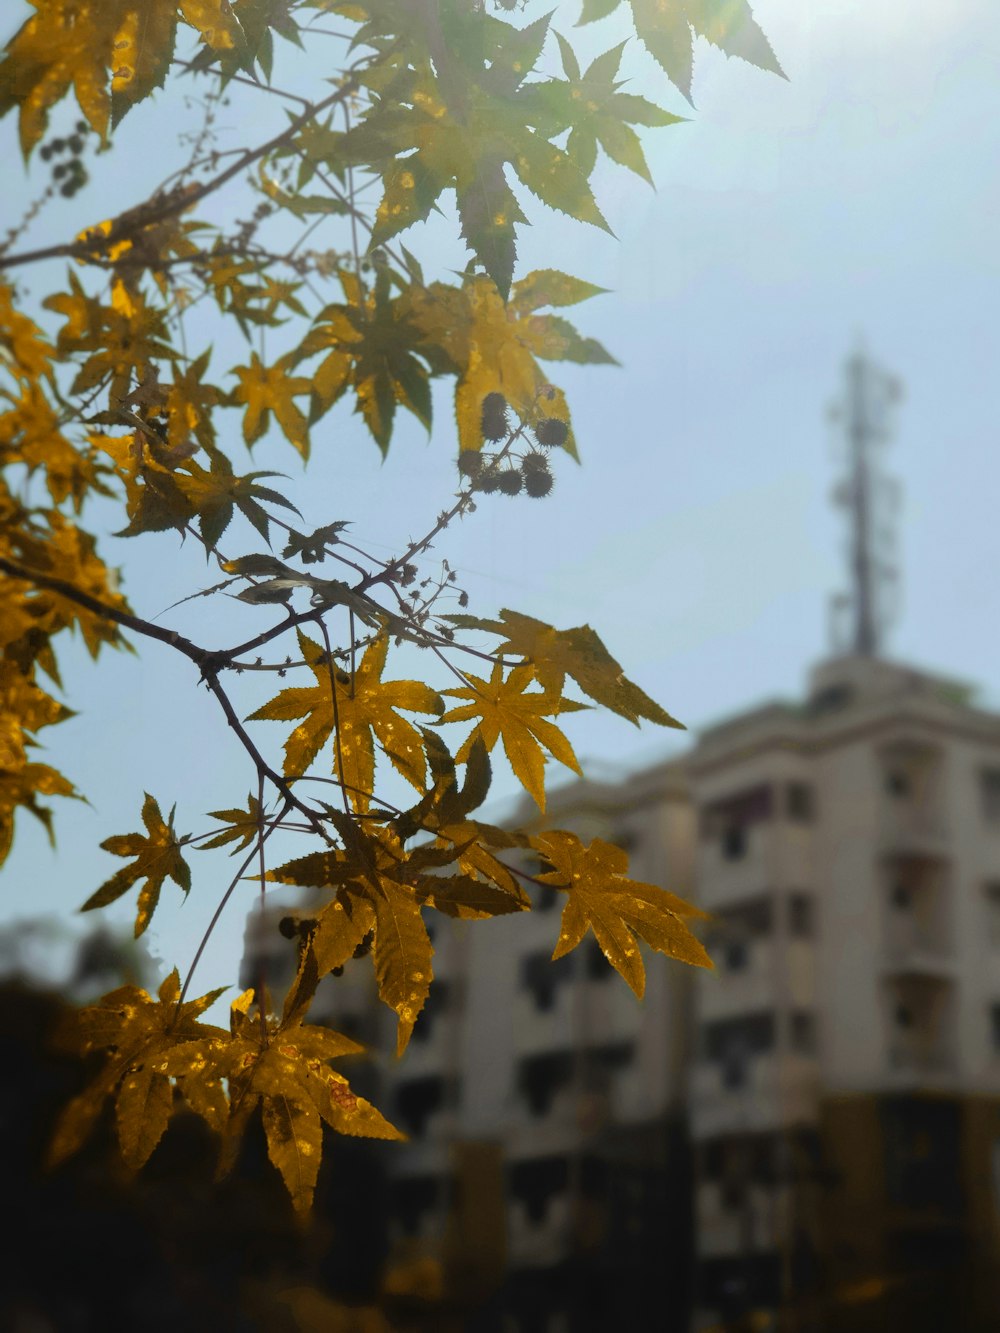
{"x": 551, "y": 431}
{"x": 488, "y": 481}
{"x": 535, "y": 462}
{"x": 537, "y": 483}
{"x": 470, "y": 464}
{"x": 509, "y": 481}
{"x": 494, "y": 417}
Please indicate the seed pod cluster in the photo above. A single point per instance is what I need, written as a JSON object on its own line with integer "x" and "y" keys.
{"x": 71, "y": 171}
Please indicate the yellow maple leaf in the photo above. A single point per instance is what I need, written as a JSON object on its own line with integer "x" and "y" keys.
{"x": 494, "y": 349}
{"x": 283, "y": 1070}
{"x": 381, "y": 889}
{"x": 365, "y": 710}
{"x": 267, "y": 389}
{"x": 506, "y": 711}
{"x": 580, "y": 653}
{"x": 156, "y": 857}
{"x": 137, "y": 1032}
{"x": 98, "y": 47}
{"x": 601, "y": 898}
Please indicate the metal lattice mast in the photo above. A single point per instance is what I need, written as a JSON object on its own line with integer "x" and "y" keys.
{"x": 871, "y": 500}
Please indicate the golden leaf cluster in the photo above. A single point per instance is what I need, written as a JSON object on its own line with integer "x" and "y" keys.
{"x": 110, "y": 391}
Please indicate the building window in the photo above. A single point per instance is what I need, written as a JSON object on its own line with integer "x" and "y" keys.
{"x": 546, "y": 897}
{"x": 733, "y": 1042}
{"x": 801, "y": 922}
{"x": 901, "y": 897}
{"x": 991, "y": 893}
{"x": 800, "y": 802}
{"x": 535, "y": 1182}
{"x": 736, "y": 956}
{"x": 437, "y": 1002}
{"x": 752, "y": 806}
{"x": 417, "y": 1100}
{"x": 989, "y": 793}
{"x": 411, "y": 1197}
{"x": 734, "y": 843}
{"x": 897, "y": 783}
{"x": 543, "y": 977}
{"x": 540, "y": 1077}
{"x": 904, "y": 1017}
{"x": 803, "y": 1033}
{"x": 597, "y": 966}
{"x": 995, "y": 1028}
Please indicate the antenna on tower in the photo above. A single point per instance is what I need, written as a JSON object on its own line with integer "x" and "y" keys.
{"x": 871, "y": 499}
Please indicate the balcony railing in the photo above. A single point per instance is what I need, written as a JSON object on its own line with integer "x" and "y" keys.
{"x": 921, "y": 1057}
{"x": 915, "y": 949}
{"x": 915, "y": 831}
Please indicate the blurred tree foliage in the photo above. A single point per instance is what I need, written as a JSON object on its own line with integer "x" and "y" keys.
{"x": 109, "y": 388}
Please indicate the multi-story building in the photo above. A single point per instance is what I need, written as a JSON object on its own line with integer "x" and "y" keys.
{"x": 548, "y": 1150}
{"x": 838, "y": 1073}
{"x": 845, "y": 1098}
{"x": 814, "y": 1126}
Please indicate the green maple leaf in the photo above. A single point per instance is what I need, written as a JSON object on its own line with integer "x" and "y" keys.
{"x": 157, "y": 856}
{"x": 601, "y": 898}
{"x": 244, "y": 826}
{"x": 369, "y": 344}
{"x": 667, "y": 29}
{"x": 596, "y": 113}
{"x": 457, "y": 126}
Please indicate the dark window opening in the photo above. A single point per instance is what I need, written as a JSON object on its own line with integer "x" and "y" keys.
{"x": 902, "y": 898}
{"x": 739, "y": 925}
{"x": 734, "y": 844}
{"x": 626, "y": 839}
{"x": 992, "y": 893}
{"x": 752, "y": 1034}
{"x": 923, "y": 1153}
{"x": 801, "y": 922}
{"x": 803, "y": 1033}
{"x": 540, "y": 1077}
{"x": 535, "y": 1182}
{"x": 411, "y": 1197}
{"x": 800, "y": 802}
{"x": 904, "y": 1016}
{"x": 545, "y": 899}
{"x": 989, "y": 792}
{"x": 736, "y": 956}
{"x": 597, "y": 966}
{"x": 995, "y": 1026}
{"x": 417, "y": 1100}
{"x": 436, "y": 1003}
{"x": 752, "y": 806}
{"x": 600, "y": 1062}
{"x": 897, "y": 783}
{"x": 543, "y": 977}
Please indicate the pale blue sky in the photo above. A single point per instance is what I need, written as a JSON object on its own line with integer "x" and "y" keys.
{"x": 859, "y": 198}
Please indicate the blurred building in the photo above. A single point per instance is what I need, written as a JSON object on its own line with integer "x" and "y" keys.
{"x": 845, "y": 1098}
{"x": 814, "y": 1127}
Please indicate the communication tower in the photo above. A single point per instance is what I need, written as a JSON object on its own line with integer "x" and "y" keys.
{"x": 861, "y": 415}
